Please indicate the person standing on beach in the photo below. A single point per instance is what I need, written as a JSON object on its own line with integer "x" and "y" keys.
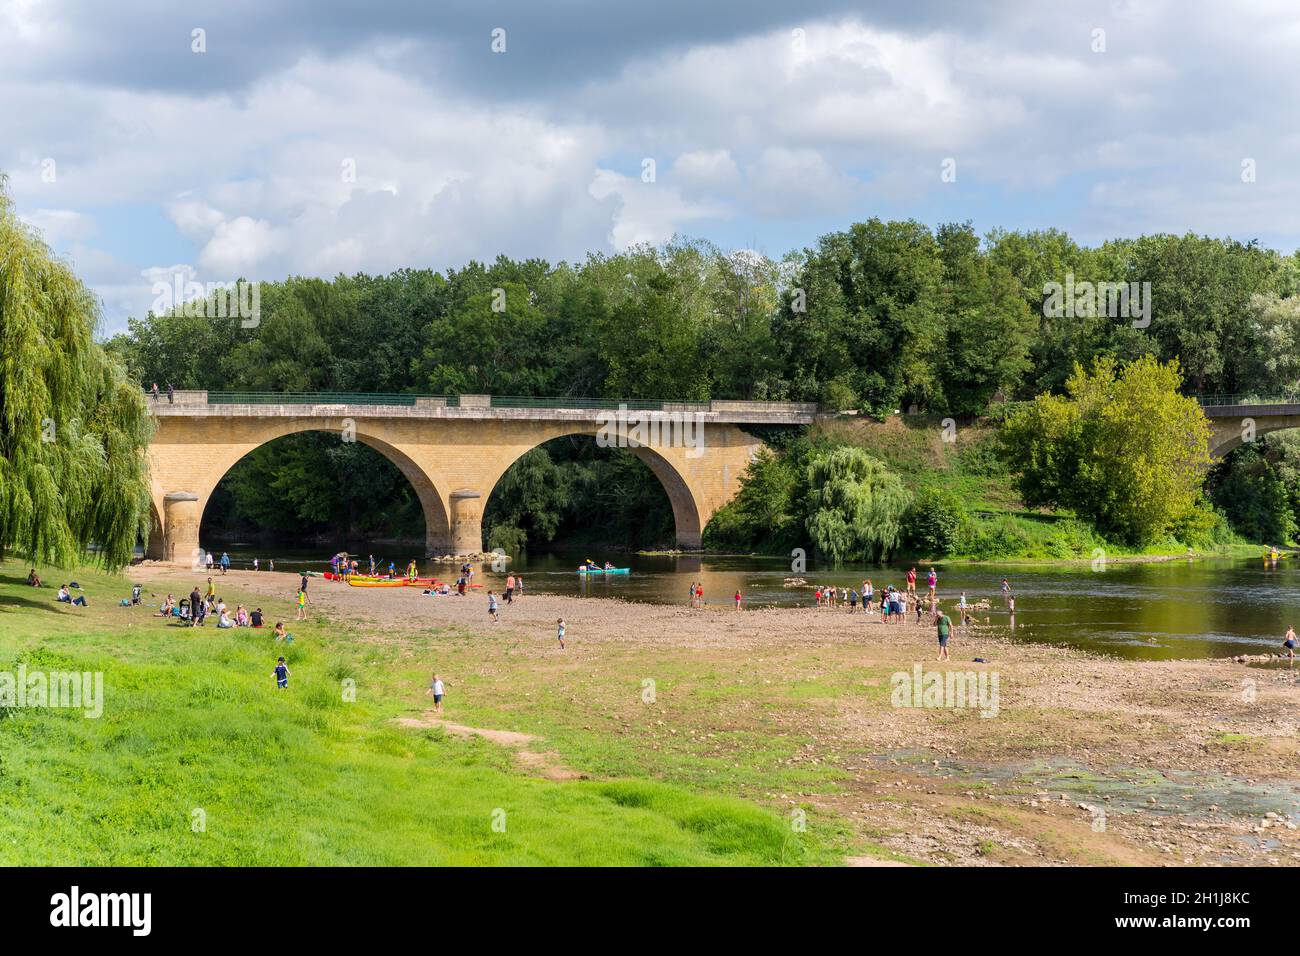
{"x": 737, "y": 599}
{"x": 559, "y": 631}
{"x": 438, "y": 690}
{"x": 492, "y": 608}
{"x": 933, "y": 580}
{"x": 1289, "y": 642}
{"x": 911, "y": 581}
{"x": 699, "y": 594}
{"x": 510, "y": 588}
{"x": 690, "y": 595}
{"x": 944, "y": 626}
{"x": 225, "y": 562}
{"x": 963, "y": 608}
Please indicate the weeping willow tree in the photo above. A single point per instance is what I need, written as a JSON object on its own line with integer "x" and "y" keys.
{"x": 73, "y": 427}
{"x": 856, "y": 506}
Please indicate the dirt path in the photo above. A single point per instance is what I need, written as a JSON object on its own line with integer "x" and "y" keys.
{"x": 543, "y": 764}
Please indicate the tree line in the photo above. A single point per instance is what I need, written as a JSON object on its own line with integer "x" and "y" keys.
{"x": 879, "y": 317}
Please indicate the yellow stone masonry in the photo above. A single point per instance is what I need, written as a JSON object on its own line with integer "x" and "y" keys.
{"x": 453, "y": 458}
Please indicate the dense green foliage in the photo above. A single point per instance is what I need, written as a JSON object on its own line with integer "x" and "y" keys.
{"x": 878, "y": 317}
{"x": 1258, "y": 488}
{"x": 1121, "y": 448}
{"x": 855, "y": 505}
{"x": 73, "y": 427}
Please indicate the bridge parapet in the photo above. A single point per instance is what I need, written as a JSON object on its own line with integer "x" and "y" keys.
{"x": 285, "y": 405}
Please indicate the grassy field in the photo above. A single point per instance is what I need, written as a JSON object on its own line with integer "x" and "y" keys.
{"x": 199, "y": 759}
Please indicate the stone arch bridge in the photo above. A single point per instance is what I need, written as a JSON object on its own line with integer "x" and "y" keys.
{"x": 453, "y": 450}
{"x": 1234, "y": 421}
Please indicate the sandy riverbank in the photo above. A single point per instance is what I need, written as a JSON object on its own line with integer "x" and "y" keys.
{"x": 1087, "y": 759}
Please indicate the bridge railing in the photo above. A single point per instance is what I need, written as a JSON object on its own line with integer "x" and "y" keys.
{"x": 324, "y": 398}
{"x": 1243, "y": 399}
{"x": 453, "y": 401}
{"x": 526, "y": 401}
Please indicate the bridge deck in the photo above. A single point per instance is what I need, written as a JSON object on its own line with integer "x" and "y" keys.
{"x": 197, "y": 404}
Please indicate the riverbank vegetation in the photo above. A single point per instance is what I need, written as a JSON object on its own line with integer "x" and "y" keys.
{"x": 1114, "y": 466}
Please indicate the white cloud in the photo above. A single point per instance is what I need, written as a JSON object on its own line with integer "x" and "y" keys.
{"x": 60, "y": 226}
{"x": 647, "y": 212}
{"x": 752, "y": 128}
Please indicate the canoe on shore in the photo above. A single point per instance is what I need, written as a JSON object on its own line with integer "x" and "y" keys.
{"x": 394, "y": 583}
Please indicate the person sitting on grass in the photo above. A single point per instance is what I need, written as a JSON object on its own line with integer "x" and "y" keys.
{"x": 255, "y": 618}
{"x": 65, "y": 596}
{"x": 279, "y": 634}
{"x": 34, "y": 579}
{"x": 135, "y": 594}
{"x": 166, "y": 609}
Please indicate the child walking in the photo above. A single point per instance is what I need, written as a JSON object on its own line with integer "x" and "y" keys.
{"x": 559, "y": 631}
{"x": 438, "y": 690}
{"x": 281, "y": 675}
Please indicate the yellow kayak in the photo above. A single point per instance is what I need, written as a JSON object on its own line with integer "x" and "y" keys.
{"x": 377, "y": 584}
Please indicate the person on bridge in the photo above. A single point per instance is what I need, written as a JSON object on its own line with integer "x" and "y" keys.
{"x": 171, "y": 394}
{"x": 154, "y": 391}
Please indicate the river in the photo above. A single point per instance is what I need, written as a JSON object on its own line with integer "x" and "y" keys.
{"x": 1166, "y": 609}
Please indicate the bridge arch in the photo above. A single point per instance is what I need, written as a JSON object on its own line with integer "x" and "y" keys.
{"x": 688, "y": 517}
{"x": 1233, "y": 426}
{"x": 182, "y": 509}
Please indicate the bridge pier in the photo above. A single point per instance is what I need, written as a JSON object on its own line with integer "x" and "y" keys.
{"x": 180, "y": 537}
{"x": 466, "y": 521}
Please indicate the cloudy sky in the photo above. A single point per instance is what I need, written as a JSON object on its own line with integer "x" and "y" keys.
{"x": 316, "y": 137}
